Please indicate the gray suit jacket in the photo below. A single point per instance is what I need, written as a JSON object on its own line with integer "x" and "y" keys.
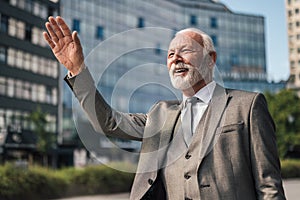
{"x": 238, "y": 158}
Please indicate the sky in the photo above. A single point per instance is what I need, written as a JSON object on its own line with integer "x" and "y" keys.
{"x": 275, "y": 32}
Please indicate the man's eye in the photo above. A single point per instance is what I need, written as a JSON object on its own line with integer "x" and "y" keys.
{"x": 171, "y": 55}
{"x": 186, "y": 51}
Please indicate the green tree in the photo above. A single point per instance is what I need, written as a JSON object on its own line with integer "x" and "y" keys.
{"x": 285, "y": 110}
{"x": 45, "y": 140}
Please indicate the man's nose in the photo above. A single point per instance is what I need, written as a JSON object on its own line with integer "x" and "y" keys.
{"x": 177, "y": 58}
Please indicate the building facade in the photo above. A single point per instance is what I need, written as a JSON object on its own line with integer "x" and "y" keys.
{"x": 126, "y": 42}
{"x": 293, "y": 25}
{"x": 29, "y": 75}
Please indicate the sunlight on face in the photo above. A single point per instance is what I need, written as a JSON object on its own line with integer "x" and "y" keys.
{"x": 187, "y": 62}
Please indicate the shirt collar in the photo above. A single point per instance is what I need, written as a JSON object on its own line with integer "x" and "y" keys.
{"x": 205, "y": 94}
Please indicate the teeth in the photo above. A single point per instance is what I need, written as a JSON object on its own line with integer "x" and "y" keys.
{"x": 181, "y": 70}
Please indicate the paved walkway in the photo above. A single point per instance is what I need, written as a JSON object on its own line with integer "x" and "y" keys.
{"x": 291, "y": 187}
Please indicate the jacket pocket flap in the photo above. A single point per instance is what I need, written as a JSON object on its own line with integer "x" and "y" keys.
{"x": 230, "y": 127}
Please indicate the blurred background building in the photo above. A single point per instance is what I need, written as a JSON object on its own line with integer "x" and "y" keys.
{"x": 29, "y": 75}
{"x": 128, "y": 59}
{"x": 293, "y": 21}
{"x": 125, "y": 43}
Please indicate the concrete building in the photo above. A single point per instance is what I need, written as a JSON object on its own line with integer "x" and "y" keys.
{"x": 29, "y": 75}
{"x": 125, "y": 44}
{"x": 293, "y": 21}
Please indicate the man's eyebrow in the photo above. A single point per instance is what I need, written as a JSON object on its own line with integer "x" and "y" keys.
{"x": 181, "y": 47}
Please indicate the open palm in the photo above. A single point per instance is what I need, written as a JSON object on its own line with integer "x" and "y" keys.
{"x": 64, "y": 44}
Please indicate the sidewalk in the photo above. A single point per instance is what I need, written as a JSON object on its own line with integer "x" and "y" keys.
{"x": 291, "y": 187}
{"x": 123, "y": 196}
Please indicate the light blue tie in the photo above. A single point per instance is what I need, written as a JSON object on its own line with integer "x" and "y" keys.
{"x": 187, "y": 120}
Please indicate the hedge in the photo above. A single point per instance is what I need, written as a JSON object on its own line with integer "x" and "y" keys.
{"x": 36, "y": 182}
{"x": 290, "y": 168}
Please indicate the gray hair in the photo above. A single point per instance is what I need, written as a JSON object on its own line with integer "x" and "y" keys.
{"x": 207, "y": 41}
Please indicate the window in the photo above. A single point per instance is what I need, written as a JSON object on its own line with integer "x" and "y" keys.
{"x": 234, "y": 60}
{"x": 297, "y": 23}
{"x": 28, "y": 5}
{"x": 2, "y": 54}
{"x": 4, "y": 23}
{"x": 20, "y": 30}
{"x": 213, "y": 22}
{"x": 35, "y": 35}
{"x": 100, "y": 32}
{"x": 13, "y": 2}
{"x": 11, "y": 57}
{"x": 292, "y": 63}
{"x": 193, "y": 20}
{"x": 141, "y": 22}
{"x": 215, "y": 40}
{"x": 19, "y": 59}
{"x": 76, "y": 25}
{"x": 2, "y": 85}
{"x": 28, "y": 32}
{"x": 36, "y": 8}
{"x": 157, "y": 50}
{"x": 27, "y": 61}
{"x": 27, "y": 91}
{"x": 10, "y": 87}
{"x": 12, "y": 28}
{"x": 19, "y": 89}
{"x": 297, "y": 10}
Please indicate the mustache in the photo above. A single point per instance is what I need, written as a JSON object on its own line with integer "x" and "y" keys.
{"x": 180, "y": 65}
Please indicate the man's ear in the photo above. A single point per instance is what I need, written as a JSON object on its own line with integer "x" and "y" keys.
{"x": 212, "y": 58}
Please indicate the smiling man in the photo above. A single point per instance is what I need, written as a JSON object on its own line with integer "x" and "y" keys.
{"x": 215, "y": 144}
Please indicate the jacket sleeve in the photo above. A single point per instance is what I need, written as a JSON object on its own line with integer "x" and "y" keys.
{"x": 103, "y": 118}
{"x": 264, "y": 154}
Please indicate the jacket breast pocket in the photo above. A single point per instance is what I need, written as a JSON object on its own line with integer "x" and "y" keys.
{"x": 231, "y": 128}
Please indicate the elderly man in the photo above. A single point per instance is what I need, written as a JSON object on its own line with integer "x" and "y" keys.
{"x": 215, "y": 144}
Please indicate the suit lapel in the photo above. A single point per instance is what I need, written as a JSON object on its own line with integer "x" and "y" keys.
{"x": 216, "y": 110}
{"x": 167, "y": 131}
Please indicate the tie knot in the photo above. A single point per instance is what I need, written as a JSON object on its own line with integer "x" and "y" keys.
{"x": 191, "y": 100}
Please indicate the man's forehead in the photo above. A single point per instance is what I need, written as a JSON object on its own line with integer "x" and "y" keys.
{"x": 186, "y": 39}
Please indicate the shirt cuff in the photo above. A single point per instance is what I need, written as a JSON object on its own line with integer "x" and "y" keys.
{"x": 70, "y": 75}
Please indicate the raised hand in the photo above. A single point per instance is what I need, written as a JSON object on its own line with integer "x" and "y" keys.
{"x": 64, "y": 44}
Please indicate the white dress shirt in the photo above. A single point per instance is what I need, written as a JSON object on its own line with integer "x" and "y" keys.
{"x": 205, "y": 95}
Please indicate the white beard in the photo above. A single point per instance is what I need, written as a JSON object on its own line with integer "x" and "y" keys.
{"x": 192, "y": 77}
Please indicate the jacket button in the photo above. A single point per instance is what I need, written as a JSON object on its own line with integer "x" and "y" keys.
{"x": 150, "y": 181}
{"x": 188, "y": 156}
{"x": 187, "y": 176}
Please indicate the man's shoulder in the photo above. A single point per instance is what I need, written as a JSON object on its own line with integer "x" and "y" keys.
{"x": 245, "y": 97}
{"x": 237, "y": 92}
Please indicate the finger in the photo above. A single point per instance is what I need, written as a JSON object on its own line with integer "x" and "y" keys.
{"x": 48, "y": 39}
{"x": 63, "y": 25}
{"x": 51, "y": 32}
{"x": 76, "y": 38}
{"x": 56, "y": 27}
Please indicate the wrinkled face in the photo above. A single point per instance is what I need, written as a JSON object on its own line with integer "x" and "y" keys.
{"x": 187, "y": 61}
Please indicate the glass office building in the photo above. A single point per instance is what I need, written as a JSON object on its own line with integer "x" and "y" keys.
{"x": 126, "y": 41}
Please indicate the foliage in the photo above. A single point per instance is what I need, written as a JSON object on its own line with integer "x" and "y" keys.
{"x": 45, "y": 140}
{"x": 34, "y": 183}
{"x": 285, "y": 110}
{"x": 37, "y": 182}
{"x": 290, "y": 168}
